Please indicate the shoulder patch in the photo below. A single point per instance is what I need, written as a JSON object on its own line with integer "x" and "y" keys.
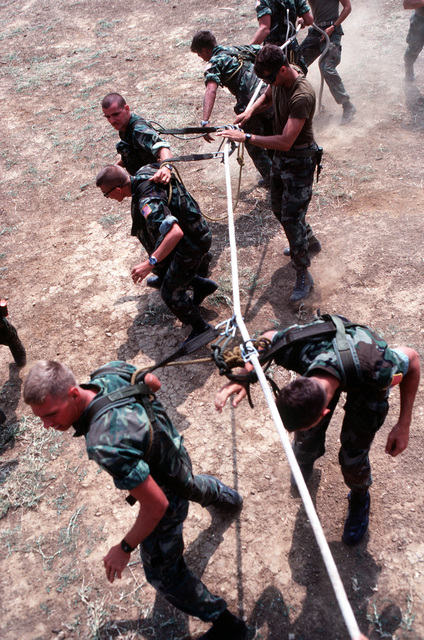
{"x": 146, "y": 210}
{"x": 397, "y": 379}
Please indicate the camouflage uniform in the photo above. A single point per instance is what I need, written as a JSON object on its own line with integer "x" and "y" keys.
{"x": 232, "y": 67}
{"x": 292, "y": 175}
{"x": 366, "y": 405}
{"x": 118, "y": 440}
{"x": 415, "y": 37}
{"x": 278, "y": 33}
{"x": 313, "y": 46}
{"x": 139, "y": 145}
{"x": 152, "y": 218}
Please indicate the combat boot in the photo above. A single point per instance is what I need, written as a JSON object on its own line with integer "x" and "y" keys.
{"x": 154, "y": 282}
{"x": 199, "y": 327}
{"x": 349, "y": 111}
{"x": 356, "y": 523}
{"x": 226, "y": 627}
{"x": 228, "y": 499}
{"x": 303, "y": 286}
{"x": 9, "y": 336}
{"x": 202, "y": 288}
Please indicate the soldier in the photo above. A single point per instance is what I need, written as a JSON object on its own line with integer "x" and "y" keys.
{"x": 326, "y": 16}
{"x": 340, "y": 356}
{"x": 232, "y": 67}
{"x": 415, "y": 37}
{"x": 140, "y": 144}
{"x": 170, "y": 226}
{"x": 137, "y": 444}
{"x": 274, "y": 28}
{"x": 9, "y": 336}
{"x": 295, "y": 155}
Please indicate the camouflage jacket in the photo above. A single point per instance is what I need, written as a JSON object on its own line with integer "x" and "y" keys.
{"x": 278, "y": 11}
{"x": 232, "y": 67}
{"x": 381, "y": 366}
{"x": 139, "y": 145}
{"x": 154, "y": 214}
{"x": 119, "y": 439}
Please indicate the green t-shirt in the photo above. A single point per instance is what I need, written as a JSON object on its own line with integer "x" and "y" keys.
{"x": 297, "y": 101}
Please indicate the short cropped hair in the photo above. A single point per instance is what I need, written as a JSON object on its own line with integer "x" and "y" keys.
{"x": 47, "y": 377}
{"x": 270, "y": 58}
{"x": 112, "y": 175}
{"x": 112, "y": 98}
{"x": 300, "y": 403}
{"x": 203, "y": 40}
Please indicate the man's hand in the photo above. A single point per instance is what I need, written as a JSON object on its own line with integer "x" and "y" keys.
{"x": 228, "y": 390}
{"x": 162, "y": 175}
{"x": 141, "y": 271}
{"x": 208, "y": 137}
{"x": 233, "y": 134}
{"x": 242, "y": 118}
{"x": 115, "y": 562}
{"x": 397, "y": 440}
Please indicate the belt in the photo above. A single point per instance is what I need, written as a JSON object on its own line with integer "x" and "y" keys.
{"x": 326, "y": 24}
{"x": 308, "y": 151}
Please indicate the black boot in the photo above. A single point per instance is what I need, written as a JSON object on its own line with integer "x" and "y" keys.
{"x": 199, "y": 327}
{"x": 154, "y": 282}
{"x": 357, "y": 519}
{"x": 202, "y": 288}
{"x": 9, "y": 336}
{"x": 303, "y": 286}
{"x": 226, "y": 627}
{"x": 228, "y": 499}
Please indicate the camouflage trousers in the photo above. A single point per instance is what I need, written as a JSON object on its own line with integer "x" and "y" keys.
{"x": 365, "y": 413}
{"x": 415, "y": 39}
{"x": 291, "y": 192}
{"x": 261, "y": 125}
{"x": 312, "y": 47}
{"x": 166, "y": 569}
{"x": 178, "y": 272}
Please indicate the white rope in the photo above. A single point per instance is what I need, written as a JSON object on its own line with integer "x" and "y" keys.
{"x": 333, "y": 573}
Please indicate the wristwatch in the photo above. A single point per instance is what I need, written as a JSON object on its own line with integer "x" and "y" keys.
{"x": 203, "y": 123}
{"x": 168, "y": 166}
{"x": 247, "y": 137}
{"x": 152, "y": 261}
{"x": 126, "y": 547}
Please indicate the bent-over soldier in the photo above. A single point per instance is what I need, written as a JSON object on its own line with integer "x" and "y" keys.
{"x": 129, "y": 434}
{"x": 169, "y": 224}
{"x": 331, "y": 358}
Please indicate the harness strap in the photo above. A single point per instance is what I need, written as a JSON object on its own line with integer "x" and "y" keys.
{"x": 346, "y": 353}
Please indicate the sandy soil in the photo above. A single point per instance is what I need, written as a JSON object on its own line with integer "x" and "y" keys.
{"x": 65, "y": 262}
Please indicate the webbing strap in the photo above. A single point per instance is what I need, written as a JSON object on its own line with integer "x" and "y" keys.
{"x": 202, "y": 130}
{"x": 119, "y": 398}
{"x": 347, "y": 355}
{"x": 195, "y": 156}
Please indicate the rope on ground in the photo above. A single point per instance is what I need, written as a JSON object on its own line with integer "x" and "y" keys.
{"x": 251, "y": 354}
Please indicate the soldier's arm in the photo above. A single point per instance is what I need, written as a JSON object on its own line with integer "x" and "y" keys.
{"x": 282, "y": 142}
{"x": 163, "y": 175}
{"x": 168, "y": 244}
{"x": 208, "y": 105}
{"x": 153, "y": 506}
{"x": 413, "y": 4}
{"x": 235, "y": 388}
{"x": 263, "y": 29}
{"x": 397, "y": 440}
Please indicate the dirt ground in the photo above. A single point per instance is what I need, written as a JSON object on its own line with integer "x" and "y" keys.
{"x": 65, "y": 267}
